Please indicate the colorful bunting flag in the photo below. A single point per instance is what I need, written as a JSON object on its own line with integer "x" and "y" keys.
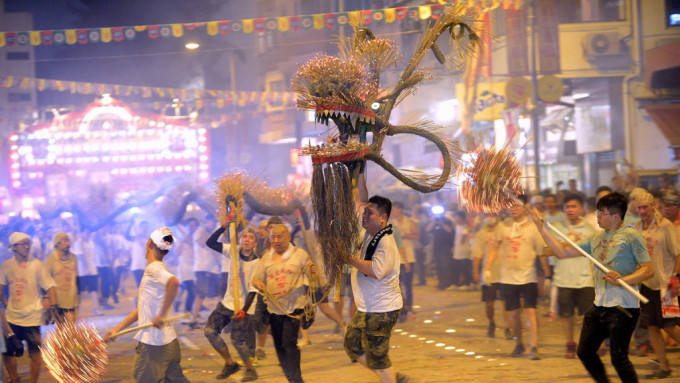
{"x": 47, "y": 37}
{"x": 177, "y": 30}
{"x": 248, "y": 26}
{"x": 165, "y": 31}
{"x": 295, "y": 23}
{"x": 225, "y": 27}
{"x": 106, "y": 35}
{"x": 283, "y": 24}
{"x": 259, "y": 25}
{"x": 212, "y": 28}
{"x": 22, "y": 38}
{"x": 35, "y": 38}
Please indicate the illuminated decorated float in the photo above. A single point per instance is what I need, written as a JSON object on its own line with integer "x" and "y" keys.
{"x": 106, "y": 144}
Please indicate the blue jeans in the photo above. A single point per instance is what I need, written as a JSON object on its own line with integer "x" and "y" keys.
{"x": 600, "y": 323}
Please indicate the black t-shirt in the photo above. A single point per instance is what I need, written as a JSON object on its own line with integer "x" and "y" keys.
{"x": 442, "y": 239}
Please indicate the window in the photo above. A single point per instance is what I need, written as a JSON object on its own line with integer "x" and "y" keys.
{"x": 15, "y": 56}
{"x": 673, "y": 13}
{"x": 584, "y": 11}
{"x": 18, "y": 97}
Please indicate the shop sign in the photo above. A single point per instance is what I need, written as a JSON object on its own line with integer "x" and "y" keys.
{"x": 489, "y": 100}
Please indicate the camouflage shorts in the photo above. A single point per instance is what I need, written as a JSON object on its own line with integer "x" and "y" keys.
{"x": 369, "y": 333}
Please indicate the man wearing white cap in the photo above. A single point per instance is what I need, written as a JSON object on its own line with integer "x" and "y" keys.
{"x": 25, "y": 276}
{"x": 62, "y": 265}
{"x": 157, "y": 357}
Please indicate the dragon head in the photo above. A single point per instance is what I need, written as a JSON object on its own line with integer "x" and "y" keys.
{"x": 345, "y": 88}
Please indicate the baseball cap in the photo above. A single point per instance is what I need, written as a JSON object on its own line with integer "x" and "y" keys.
{"x": 158, "y": 237}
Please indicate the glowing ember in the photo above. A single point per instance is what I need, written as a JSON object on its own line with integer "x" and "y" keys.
{"x": 489, "y": 181}
{"x": 75, "y": 352}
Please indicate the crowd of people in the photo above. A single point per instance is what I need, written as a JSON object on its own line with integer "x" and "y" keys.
{"x": 516, "y": 258}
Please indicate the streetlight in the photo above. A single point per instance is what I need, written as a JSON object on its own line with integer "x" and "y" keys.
{"x": 192, "y": 45}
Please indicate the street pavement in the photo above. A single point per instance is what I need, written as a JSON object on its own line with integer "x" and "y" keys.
{"x": 445, "y": 342}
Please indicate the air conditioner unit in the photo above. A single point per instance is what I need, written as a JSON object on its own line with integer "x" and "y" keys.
{"x": 603, "y": 44}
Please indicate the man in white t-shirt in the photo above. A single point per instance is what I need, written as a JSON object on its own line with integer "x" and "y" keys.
{"x": 484, "y": 238}
{"x": 62, "y": 265}
{"x": 84, "y": 248}
{"x": 375, "y": 284}
{"x": 517, "y": 245}
{"x": 157, "y": 357}
{"x": 242, "y": 331}
{"x": 25, "y": 276}
{"x": 663, "y": 246}
{"x": 281, "y": 275}
{"x": 573, "y": 276}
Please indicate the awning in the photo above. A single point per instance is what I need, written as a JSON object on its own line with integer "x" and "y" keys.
{"x": 667, "y": 118}
{"x": 662, "y": 68}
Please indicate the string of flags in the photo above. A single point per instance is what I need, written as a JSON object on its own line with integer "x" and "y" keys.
{"x": 256, "y": 25}
{"x": 200, "y": 98}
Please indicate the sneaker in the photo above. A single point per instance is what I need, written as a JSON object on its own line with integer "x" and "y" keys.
{"x": 571, "y": 350}
{"x": 228, "y": 370}
{"x": 254, "y": 361}
{"x": 533, "y": 354}
{"x": 249, "y": 376}
{"x": 490, "y": 332}
{"x": 401, "y": 378}
{"x": 97, "y": 313}
{"x": 260, "y": 354}
{"x": 508, "y": 334}
{"x": 659, "y": 374}
{"x": 107, "y": 306}
{"x": 518, "y": 351}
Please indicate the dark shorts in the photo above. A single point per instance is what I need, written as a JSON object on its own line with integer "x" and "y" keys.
{"x": 569, "y": 299}
{"x": 652, "y": 310}
{"x": 87, "y": 283}
{"x": 511, "y": 294}
{"x": 207, "y": 284}
{"x": 369, "y": 334}
{"x": 31, "y": 335}
{"x": 158, "y": 363}
{"x": 321, "y": 294}
{"x": 491, "y": 292}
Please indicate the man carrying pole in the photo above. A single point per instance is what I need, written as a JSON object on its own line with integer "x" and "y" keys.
{"x": 158, "y": 355}
{"x": 243, "y": 262}
{"x": 615, "y": 311}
